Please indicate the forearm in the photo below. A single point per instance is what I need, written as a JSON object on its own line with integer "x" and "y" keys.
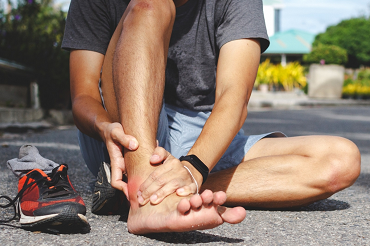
{"x": 90, "y": 117}
{"x": 236, "y": 73}
{"x": 226, "y": 119}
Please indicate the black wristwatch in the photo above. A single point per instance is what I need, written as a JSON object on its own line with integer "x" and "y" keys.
{"x": 198, "y": 164}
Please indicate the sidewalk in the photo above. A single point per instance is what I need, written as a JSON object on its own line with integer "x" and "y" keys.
{"x": 258, "y": 101}
{"x": 295, "y": 100}
{"x": 22, "y": 119}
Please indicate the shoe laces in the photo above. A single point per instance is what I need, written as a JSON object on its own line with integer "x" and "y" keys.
{"x": 55, "y": 189}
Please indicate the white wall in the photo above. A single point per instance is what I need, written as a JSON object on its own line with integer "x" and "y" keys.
{"x": 269, "y": 13}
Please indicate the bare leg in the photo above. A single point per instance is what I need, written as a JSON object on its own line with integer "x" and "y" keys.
{"x": 289, "y": 172}
{"x": 137, "y": 53}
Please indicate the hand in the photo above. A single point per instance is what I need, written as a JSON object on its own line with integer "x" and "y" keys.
{"x": 169, "y": 177}
{"x": 116, "y": 140}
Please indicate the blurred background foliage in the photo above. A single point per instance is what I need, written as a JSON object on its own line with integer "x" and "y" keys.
{"x": 357, "y": 88}
{"x": 347, "y": 44}
{"x": 352, "y": 35}
{"x": 31, "y": 35}
{"x": 281, "y": 77}
{"x": 328, "y": 54}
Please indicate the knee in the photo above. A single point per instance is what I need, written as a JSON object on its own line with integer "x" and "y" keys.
{"x": 162, "y": 12}
{"x": 343, "y": 160}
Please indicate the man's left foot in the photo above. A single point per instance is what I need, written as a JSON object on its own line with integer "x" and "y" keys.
{"x": 106, "y": 199}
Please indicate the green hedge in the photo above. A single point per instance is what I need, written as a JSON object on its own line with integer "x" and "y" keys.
{"x": 31, "y": 35}
{"x": 329, "y": 54}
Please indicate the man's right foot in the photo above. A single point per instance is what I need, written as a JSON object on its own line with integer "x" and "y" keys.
{"x": 106, "y": 199}
{"x": 177, "y": 214}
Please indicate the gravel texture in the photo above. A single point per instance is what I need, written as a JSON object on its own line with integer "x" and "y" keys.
{"x": 343, "y": 219}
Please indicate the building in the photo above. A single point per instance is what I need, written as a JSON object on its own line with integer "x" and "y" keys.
{"x": 272, "y": 10}
{"x": 289, "y": 46}
{"x": 284, "y": 46}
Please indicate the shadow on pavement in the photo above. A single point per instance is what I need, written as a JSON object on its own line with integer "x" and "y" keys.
{"x": 56, "y": 231}
{"x": 323, "y": 205}
{"x": 326, "y": 205}
{"x": 192, "y": 237}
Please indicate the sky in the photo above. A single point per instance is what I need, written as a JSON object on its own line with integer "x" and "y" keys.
{"x": 316, "y": 15}
{"x": 310, "y": 15}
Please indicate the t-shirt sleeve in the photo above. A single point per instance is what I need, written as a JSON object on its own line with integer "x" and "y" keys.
{"x": 242, "y": 19}
{"x": 87, "y": 26}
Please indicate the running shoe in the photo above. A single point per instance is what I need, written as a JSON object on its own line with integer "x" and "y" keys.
{"x": 106, "y": 199}
{"x": 49, "y": 202}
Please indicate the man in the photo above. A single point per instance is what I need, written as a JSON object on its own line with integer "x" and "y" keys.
{"x": 200, "y": 57}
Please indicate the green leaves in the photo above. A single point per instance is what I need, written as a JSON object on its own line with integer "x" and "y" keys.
{"x": 326, "y": 54}
{"x": 288, "y": 77}
{"x": 353, "y": 35}
{"x": 31, "y": 34}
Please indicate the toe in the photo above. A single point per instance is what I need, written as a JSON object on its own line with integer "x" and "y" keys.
{"x": 183, "y": 206}
{"x": 207, "y": 197}
{"x": 196, "y": 202}
{"x": 232, "y": 215}
{"x": 219, "y": 198}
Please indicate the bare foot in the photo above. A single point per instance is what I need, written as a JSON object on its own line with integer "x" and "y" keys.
{"x": 177, "y": 214}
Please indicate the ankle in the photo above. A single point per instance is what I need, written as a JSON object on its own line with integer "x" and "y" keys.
{"x": 133, "y": 185}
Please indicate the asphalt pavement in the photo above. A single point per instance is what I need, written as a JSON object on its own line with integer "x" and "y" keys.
{"x": 343, "y": 219}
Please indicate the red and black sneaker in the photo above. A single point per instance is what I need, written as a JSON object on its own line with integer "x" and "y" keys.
{"x": 50, "y": 202}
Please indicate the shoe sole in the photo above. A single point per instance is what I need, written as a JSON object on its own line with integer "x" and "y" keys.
{"x": 68, "y": 220}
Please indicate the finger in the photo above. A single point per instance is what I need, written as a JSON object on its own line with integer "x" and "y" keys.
{"x": 116, "y": 181}
{"x": 125, "y": 189}
{"x": 159, "y": 155}
{"x": 127, "y": 141}
{"x": 152, "y": 184}
{"x": 165, "y": 191}
{"x": 187, "y": 190}
{"x": 117, "y": 167}
{"x": 118, "y": 136}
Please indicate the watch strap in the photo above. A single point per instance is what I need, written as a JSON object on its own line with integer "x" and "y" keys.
{"x": 198, "y": 164}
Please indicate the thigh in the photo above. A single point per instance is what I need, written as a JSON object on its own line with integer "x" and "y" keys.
{"x": 303, "y": 145}
{"x": 239, "y": 147}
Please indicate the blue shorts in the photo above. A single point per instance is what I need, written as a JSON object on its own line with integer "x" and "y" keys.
{"x": 178, "y": 129}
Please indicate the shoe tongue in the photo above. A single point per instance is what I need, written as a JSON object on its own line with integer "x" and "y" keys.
{"x": 60, "y": 168}
{"x": 54, "y": 173}
{"x": 60, "y": 188}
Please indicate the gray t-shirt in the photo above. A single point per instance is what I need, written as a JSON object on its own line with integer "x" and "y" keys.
{"x": 201, "y": 28}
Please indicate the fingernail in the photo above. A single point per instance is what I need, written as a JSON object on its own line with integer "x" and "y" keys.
{"x": 132, "y": 145}
{"x": 138, "y": 193}
{"x": 180, "y": 190}
{"x": 153, "y": 198}
{"x": 154, "y": 157}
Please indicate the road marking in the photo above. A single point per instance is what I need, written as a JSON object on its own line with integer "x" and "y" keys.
{"x": 43, "y": 144}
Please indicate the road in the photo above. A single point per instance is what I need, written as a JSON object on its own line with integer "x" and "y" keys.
{"x": 343, "y": 219}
